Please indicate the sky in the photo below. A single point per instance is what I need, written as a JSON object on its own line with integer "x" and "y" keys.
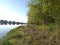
{"x": 14, "y": 10}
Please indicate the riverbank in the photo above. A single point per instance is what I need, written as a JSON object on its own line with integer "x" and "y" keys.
{"x": 25, "y": 35}
{"x": 4, "y": 29}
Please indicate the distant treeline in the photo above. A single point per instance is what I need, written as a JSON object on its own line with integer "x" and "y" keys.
{"x": 5, "y": 22}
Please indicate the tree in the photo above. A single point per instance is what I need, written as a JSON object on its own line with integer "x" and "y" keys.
{"x": 43, "y": 12}
{"x": 9, "y": 22}
{"x": 5, "y": 22}
{"x": 33, "y": 12}
{"x": 17, "y": 23}
{"x": 1, "y": 22}
{"x": 13, "y": 22}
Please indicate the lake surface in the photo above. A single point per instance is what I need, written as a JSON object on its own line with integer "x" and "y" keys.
{"x": 4, "y": 29}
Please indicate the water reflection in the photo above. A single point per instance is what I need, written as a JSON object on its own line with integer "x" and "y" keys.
{"x": 6, "y": 28}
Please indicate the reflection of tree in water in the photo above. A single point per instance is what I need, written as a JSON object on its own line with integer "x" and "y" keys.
{"x": 5, "y": 22}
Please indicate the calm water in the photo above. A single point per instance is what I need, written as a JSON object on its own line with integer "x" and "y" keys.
{"x": 4, "y": 29}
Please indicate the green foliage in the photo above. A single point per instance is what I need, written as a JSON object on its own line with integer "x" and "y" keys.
{"x": 4, "y": 41}
{"x": 34, "y": 35}
{"x": 13, "y": 34}
{"x": 44, "y": 12}
{"x": 41, "y": 35}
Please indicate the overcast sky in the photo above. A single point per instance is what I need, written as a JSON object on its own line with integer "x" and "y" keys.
{"x": 14, "y": 10}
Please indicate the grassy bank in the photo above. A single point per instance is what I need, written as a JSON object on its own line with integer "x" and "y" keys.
{"x": 36, "y": 35}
